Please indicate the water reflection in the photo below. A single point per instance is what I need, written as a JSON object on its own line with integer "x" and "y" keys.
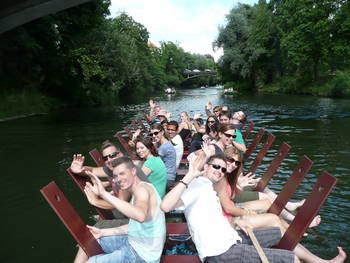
{"x": 36, "y": 150}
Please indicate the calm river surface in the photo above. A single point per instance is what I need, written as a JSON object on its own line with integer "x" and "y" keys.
{"x": 37, "y": 150}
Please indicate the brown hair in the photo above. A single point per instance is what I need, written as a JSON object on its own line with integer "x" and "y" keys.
{"x": 158, "y": 126}
{"x": 147, "y": 142}
{"x": 225, "y": 127}
{"x": 233, "y": 176}
{"x": 106, "y": 144}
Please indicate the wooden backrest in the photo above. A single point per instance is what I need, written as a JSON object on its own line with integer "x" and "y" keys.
{"x": 81, "y": 181}
{"x": 128, "y": 132}
{"x": 308, "y": 211}
{"x": 143, "y": 127}
{"x": 180, "y": 259}
{"x": 270, "y": 139}
{"x": 71, "y": 219}
{"x": 290, "y": 187}
{"x": 248, "y": 130}
{"x": 97, "y": 157}
{"x": 265, "y": 179}
{"x": 125, "y": 145}
{"x": 134, "y": 125}
{"x": 254, "y": 143}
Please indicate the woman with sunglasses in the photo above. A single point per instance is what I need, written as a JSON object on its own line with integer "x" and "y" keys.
{"x": 166, "y": 151}
{"x": 153, "y": 167}
{"x": 253, "y": 212}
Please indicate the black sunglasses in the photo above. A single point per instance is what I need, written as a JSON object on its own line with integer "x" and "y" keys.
{"x": 211, "y": 121}
{"x": 217, "y": 167}
{"x": 154, "y": 133}
{"x": 111, "y": 156}
{"x": 231, "y": 160}
{"x": 230, "y": 135}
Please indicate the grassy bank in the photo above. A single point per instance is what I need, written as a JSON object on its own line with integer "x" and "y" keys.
{"x": 334, "y": 85}
{"x": 25, "y": 103}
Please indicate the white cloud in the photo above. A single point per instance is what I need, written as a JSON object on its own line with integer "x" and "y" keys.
{"x": 193, "y": 24}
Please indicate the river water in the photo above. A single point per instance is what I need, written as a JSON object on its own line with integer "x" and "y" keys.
{"x": 37, "y": 150}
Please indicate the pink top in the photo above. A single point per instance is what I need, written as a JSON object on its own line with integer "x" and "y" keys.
{"x": 227, "y": 215}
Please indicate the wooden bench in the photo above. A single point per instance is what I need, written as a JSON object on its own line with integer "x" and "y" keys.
{"x": 254, "y": 143}
{"x": 85, "y": 239}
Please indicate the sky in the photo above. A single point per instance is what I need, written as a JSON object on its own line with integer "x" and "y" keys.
{"x": 193, "y": 24}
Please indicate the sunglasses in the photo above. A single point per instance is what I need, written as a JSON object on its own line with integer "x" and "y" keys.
{"x": 211, "y": 121}
{"x": 230, "y": 135}
{"x": 217, "y": 110}
{"x": 217, "y": 167}
{"x": 154, "y": 133}
{"x": 111, "y": 156}
{"x": 171, "y": 130}
{"x": 231, "y": 160}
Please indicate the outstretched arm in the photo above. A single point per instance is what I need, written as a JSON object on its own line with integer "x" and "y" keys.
{"x": 172, "y": 199}
{"x": 138, "y": 211}
{"x": 77, "y": 167}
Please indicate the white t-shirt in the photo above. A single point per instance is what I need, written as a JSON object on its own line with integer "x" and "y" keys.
{"x": 179, "y": 148}
{"x": 210, "y": 230}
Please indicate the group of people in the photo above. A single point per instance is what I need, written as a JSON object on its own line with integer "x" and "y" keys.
{"x": 218, "y": 200}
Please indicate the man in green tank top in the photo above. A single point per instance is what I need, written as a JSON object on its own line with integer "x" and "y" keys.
{"x": 142, "y": 239}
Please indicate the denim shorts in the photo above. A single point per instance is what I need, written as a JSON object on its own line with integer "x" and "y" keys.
{"x": 117, "y": 249}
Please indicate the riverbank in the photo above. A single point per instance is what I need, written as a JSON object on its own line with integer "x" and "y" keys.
{"x": 336, "y": 85}
{"x": 14, "y": 105}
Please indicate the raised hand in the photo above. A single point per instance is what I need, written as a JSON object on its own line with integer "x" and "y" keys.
{"x": 193, "y": 167}
{"x": 77, "y": 165}
{"x": 91, "y": 195}
{"x": 209, "y": 105}
{"x": 97, "y": 187}
{"x": 208, "y": 149}
{"x": 247, "y": 180}
{"x": 151, "y": 103}
{"x": 197, "y": 115}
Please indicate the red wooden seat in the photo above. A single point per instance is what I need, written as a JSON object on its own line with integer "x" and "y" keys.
{"x": 143, "y": 127}
{"x": 290, "y": 187}
{"x": 81, "y": 181}
{"x": 270, "y": 139}
{"x": 265, "y": 179}
{"x": 248, "y": 130}
{"x": 71, "y": 219}
{"x": 180, "y": 259}
{"x": 134, "y": 125}
{"x": 97, "y": 157}
{"x": 126, "y": 146}
{"x": 85, "y": 239}
{"x": 128, "y": 132}
{"x": 308, "y": 211}
{"x": 254, "y": 143}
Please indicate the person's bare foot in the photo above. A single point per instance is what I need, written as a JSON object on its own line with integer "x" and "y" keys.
{"x": 292, "y": 206}
{"x": 316, "y": 221}
{"x": 340, "y": 257}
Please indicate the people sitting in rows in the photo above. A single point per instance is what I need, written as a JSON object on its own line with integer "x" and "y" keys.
{"x": 221, "y": 242}
{"x": 153, "y": 166}
{"x": 166, "y": 151}
{"x": 142, "y": 239}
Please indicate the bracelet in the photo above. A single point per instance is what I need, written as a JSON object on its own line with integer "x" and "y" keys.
{"x": 186, "y": 184}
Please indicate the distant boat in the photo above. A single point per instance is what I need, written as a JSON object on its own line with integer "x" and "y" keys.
{"x": 230, "y": 91}
{"x": 170, "y": 91}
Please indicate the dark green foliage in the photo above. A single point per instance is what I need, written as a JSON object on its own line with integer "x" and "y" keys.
{"x": 290, "y": 44}
{"x": 81, "y": 57}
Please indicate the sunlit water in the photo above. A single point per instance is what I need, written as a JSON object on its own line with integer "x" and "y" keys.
{"x": 37, "y": 150}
